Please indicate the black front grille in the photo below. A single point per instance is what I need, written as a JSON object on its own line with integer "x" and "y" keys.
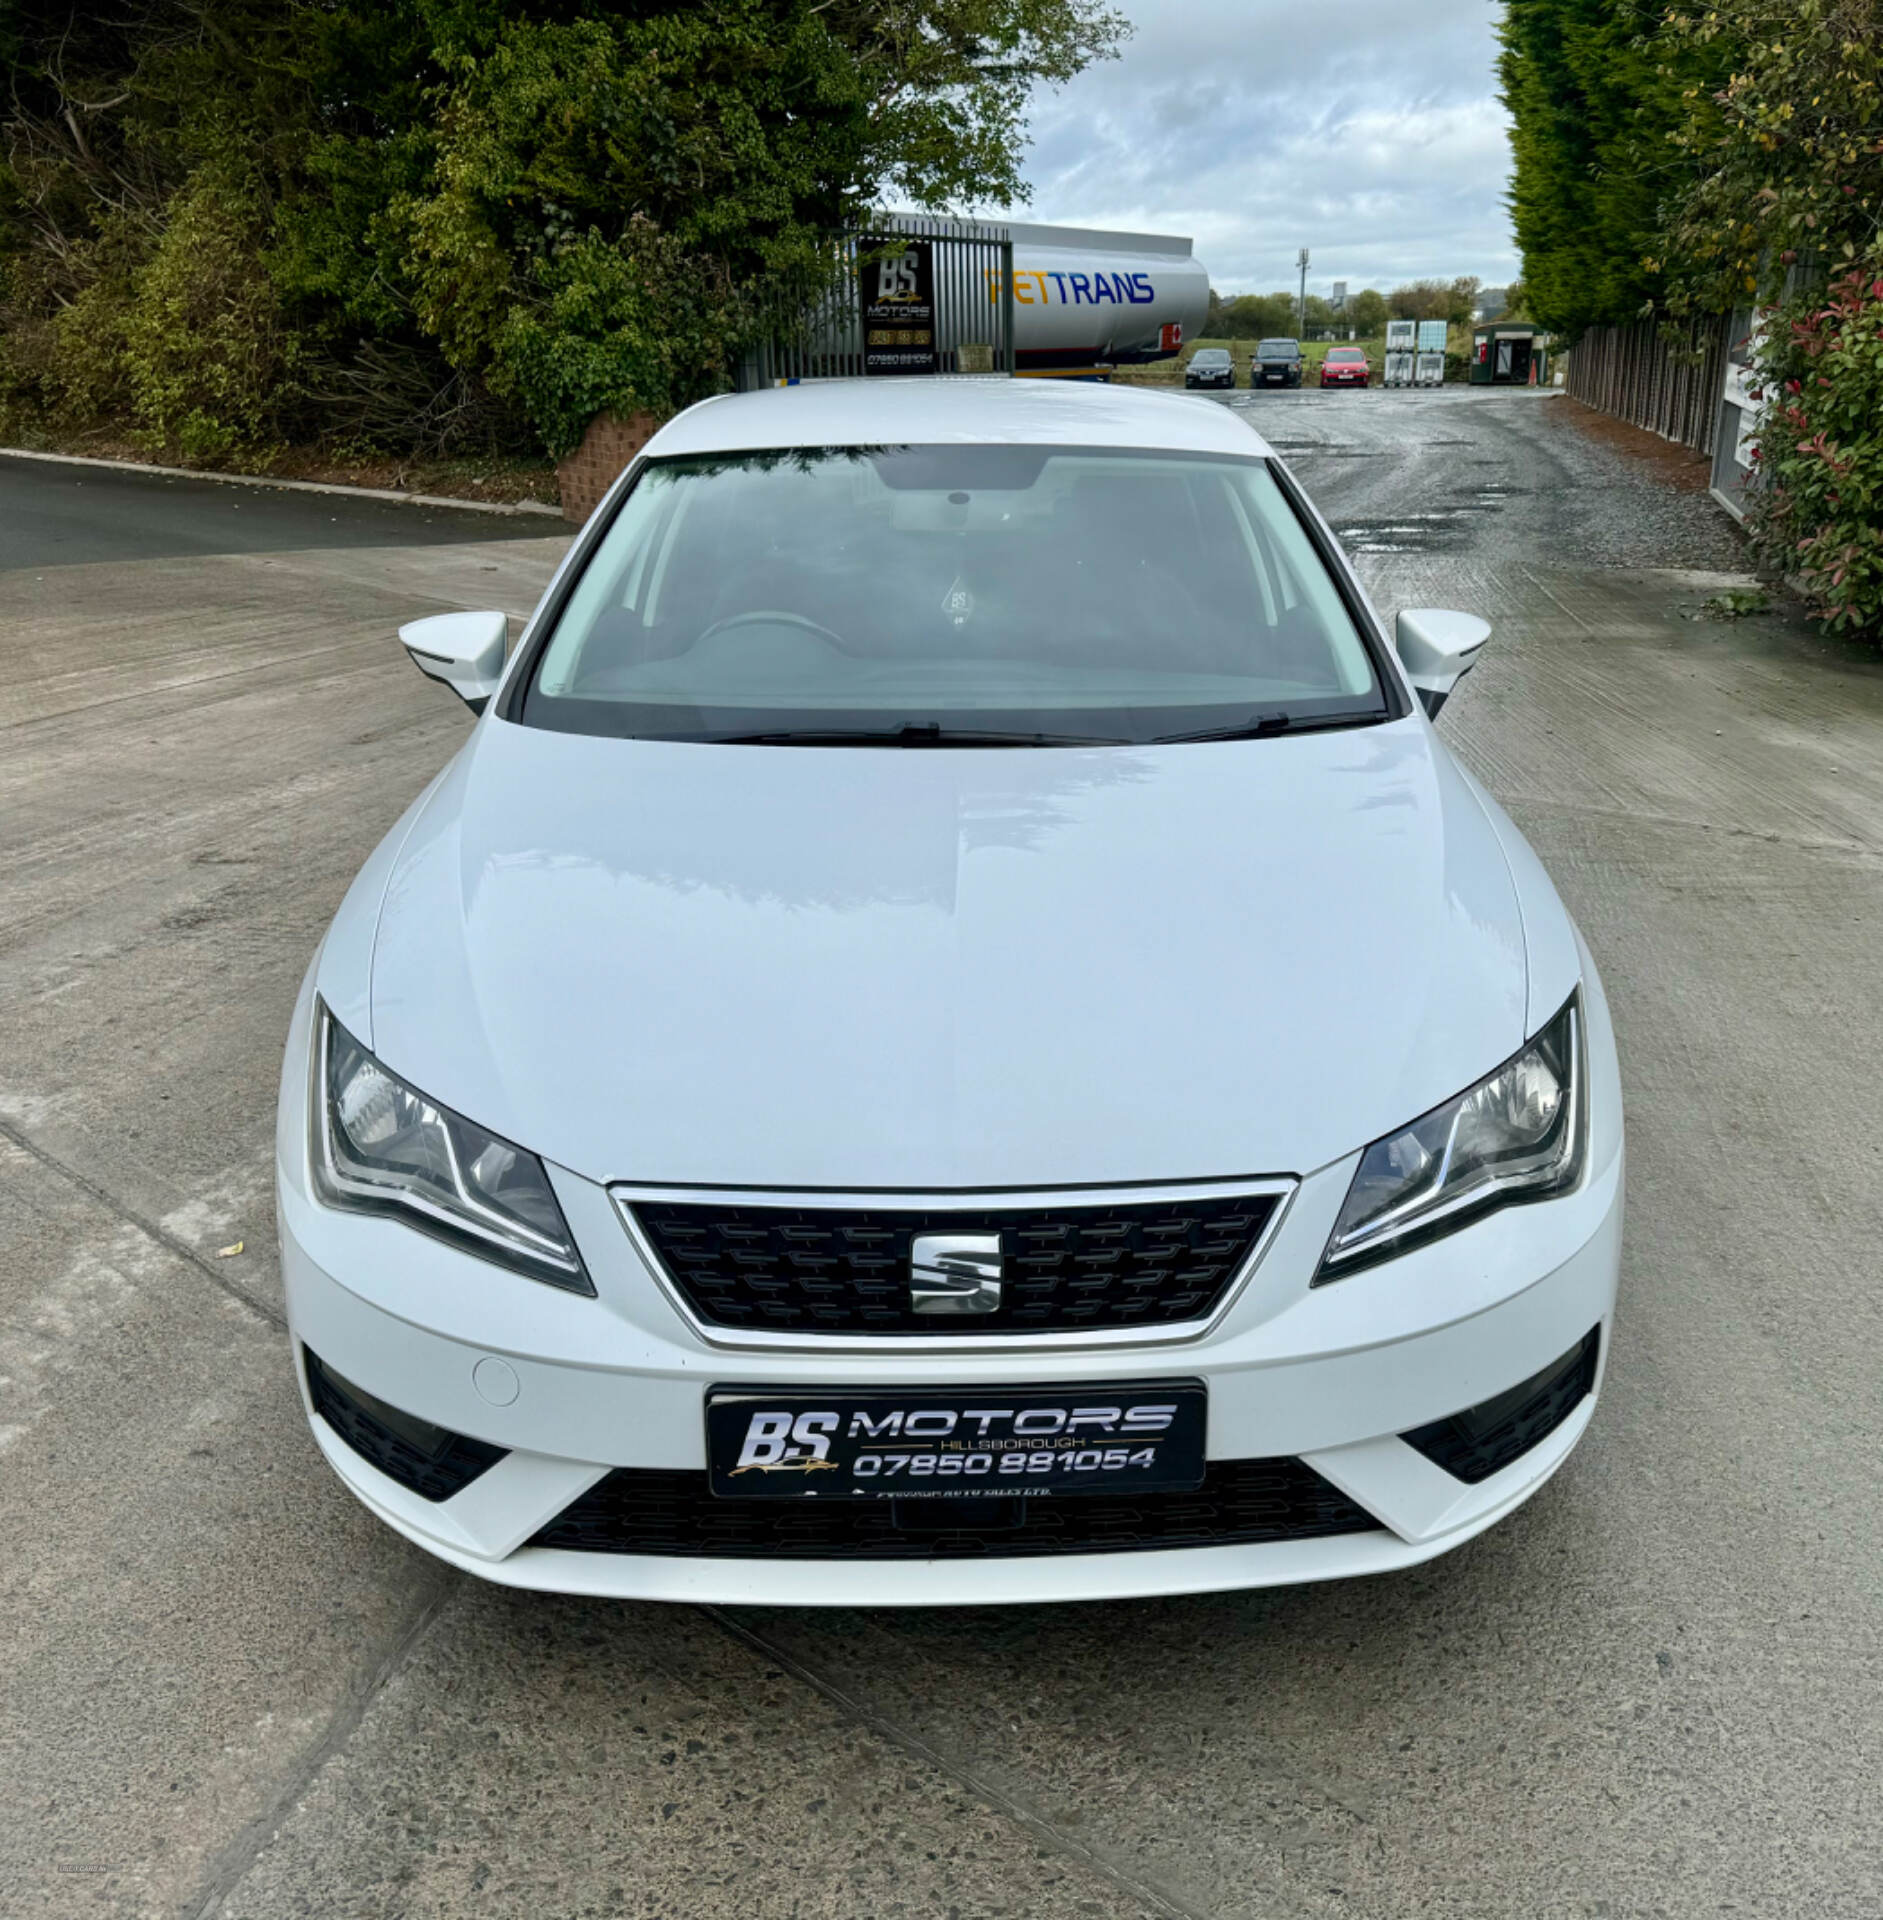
{"x": 846, "y": 1269}
{"x": 1478, "y": 1442}
{"x": 1241, "y": 1503}
{"x": 430, "y": 1461}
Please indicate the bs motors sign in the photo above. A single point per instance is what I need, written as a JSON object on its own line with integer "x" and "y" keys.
{"x": 937, "y": 1443}
{"x": 898, "y": 286}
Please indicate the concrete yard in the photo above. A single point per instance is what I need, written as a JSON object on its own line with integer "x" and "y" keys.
{"x": 225, "y": 1690}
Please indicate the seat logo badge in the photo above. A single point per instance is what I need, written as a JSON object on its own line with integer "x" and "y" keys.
{"x": 954, "y": 1273}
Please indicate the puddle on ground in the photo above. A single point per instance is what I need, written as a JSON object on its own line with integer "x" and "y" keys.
{"x": 1400, "y": 536}
{"x": 1441, "y": 531}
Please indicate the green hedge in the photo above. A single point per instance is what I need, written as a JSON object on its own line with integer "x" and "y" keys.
{"x": 1818, "y": 508}
{"x": 226, "y": 224}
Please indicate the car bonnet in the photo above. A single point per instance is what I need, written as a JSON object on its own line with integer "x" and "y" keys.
{"x": 936, "y": 968}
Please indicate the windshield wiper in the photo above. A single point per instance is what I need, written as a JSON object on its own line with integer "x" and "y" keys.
{"x": 1260, "y": 725}
{"x": 914, "y": 733}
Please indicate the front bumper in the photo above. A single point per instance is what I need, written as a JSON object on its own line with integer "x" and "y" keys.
{"x": 567, "y": 1388}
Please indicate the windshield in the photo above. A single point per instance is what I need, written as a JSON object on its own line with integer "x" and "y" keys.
{"x": 1210, "y": 356}
{"x": 1346, "y": 353}
{"x": 1275, "y": 348}
{"x": 1044, "y": 594}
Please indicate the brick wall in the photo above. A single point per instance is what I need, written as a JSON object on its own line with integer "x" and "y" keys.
{"x": 609, "y": 444}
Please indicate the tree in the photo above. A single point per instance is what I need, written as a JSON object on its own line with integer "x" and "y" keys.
{"x": 1593, "y": 100}
{"x": 1367, "y": 312}
{"x": 1421, "y": 300}
{"x": 547, "y": 211}
{"x": 1254, "y": 316}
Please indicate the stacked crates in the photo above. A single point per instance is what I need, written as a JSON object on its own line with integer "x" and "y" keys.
{"x": 1401, "y": 343}
{"x": 1429, "y": 361}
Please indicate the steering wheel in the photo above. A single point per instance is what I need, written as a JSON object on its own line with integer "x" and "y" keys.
{"x": 759, "y": 616}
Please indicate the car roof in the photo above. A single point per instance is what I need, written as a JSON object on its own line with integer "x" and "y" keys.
{"x": 918, "y": 411}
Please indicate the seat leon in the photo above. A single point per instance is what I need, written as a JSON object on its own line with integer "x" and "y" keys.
{"x": 952, "y": 1033}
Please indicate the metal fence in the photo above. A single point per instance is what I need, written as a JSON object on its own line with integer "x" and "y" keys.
{"x": 1671, "y": 386}
{"x": 813, "y": 329}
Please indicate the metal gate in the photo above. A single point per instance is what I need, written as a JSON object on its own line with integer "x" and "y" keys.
{"x": 815, "y": 330}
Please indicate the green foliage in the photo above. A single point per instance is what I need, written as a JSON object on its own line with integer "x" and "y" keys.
{"x": 1781, "y": 192}
{"x": 1782, "y": 162}
{"x": 1818, "y": 510}
{"x": 1257, "y": 316}
{"x": 202, "y": 342}
{"x": 1449, "y": 300}
{"x": 1717, "y": 160}
{"x": 1736, "y": 603}
{"x": 1594, "y": 99}
{"x": 1367, "y": 313}
{"x": 1252, "y": 316}
{"x": 226, "y": 222}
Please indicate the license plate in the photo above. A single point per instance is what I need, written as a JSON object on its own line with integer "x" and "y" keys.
{"x": 954, "y": 1443}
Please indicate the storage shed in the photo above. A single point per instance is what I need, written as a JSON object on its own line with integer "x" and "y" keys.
{"x": 1508, "y": 354}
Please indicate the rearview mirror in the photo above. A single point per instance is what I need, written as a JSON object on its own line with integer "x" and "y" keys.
{"x": 1437, "y": 649}
{"x": 464, "y": 650}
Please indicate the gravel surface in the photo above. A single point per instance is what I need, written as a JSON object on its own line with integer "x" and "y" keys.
{"x": 1496, "y": 476}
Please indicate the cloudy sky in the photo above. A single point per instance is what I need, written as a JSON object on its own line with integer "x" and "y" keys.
{"x": 1367, "y": 131}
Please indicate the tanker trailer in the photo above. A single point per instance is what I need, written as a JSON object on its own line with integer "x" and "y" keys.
{"x": 1085, "y": 302}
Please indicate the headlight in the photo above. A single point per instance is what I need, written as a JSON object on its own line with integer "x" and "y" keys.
{"x": 1517, "y": 1135}
{"x": 384, "y": 1147}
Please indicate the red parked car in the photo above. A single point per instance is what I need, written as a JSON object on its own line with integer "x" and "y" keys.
{"x": 1346, "y": 367}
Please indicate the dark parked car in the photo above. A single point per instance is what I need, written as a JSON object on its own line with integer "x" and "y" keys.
{"x": 1210, "y": 367}
{"x": 1346, "y": 367}
{"x": 1277, "y": 363}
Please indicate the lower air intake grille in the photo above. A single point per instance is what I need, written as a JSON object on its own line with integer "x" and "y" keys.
{"x": 1241, "y": 1502}
{"x": 432, "y": 1462}
{"x": 1478, "y": 1442}
{"x": 845, "y": 1270}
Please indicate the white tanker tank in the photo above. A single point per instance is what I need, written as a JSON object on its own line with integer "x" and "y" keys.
{"x": 1085, "y": 301}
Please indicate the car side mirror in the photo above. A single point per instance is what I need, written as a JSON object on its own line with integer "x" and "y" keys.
{"x": 1438, "y": 648}
{"x": 464, "y": 650}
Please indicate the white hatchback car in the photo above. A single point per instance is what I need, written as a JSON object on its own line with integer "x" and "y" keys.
{"x": 952, "y": 1034}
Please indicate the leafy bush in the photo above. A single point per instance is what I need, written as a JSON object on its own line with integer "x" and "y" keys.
{"x": 1818, "y": 511}
{"x": 206, "y": 351}
{"x": 229, "y": 222}
{"x": 1781, "y": 158}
